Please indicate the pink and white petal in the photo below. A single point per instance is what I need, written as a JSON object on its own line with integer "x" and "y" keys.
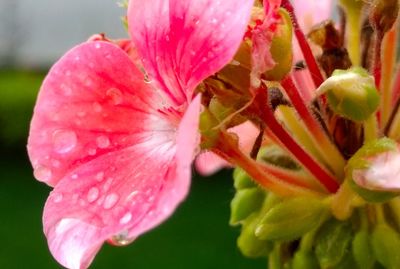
{"x": 311, "y": 12}
{"x": 104, "y": 198}
{"x": 177, "y": 182}
{"x": 93, "y": 101}
{"x": 183, "y": 42}
{"x": 122, "y": 194}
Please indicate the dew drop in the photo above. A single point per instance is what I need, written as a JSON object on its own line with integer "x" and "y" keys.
{"x": 126, "y": 218}
{"x": 64, "y": 141}
{"x": 115, "y": 95}
{"x": 214, "y": 21}
{"x": 121, "y": 239}
{"x": 102, "y": 141}
{"x": 74, "y": 176}
{"x": 92, "y": 194}
{"x": 42, "y": 173}
{"x": 99, "y": 176}
{"x": 110, "y": 200}
{"x": 97, "y": 46}
{"x": 57, "y": 197}
{"x": 92, "y": 151}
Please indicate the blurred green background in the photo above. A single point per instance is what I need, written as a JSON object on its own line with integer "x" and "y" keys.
{"x": 197, "y": 236}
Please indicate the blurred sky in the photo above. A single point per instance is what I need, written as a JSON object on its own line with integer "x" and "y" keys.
{"x": 33, "y": 33}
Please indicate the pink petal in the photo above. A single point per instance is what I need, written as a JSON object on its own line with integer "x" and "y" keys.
{"x": 262, "y": 36}
{"x": 208, "y": 163}
{"x": 183, "y": 42}
{"x": 311, "y": 12}
{"x": 177, "y": 184}
{"x": 92, "y": 102}
{"x": 122, "y": 194}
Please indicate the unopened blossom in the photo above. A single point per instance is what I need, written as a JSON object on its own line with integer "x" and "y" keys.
{"x": 117, "y": 144}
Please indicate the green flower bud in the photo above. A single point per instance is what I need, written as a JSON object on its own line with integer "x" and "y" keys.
{"x": 351, "y": 93}
{"x": 241, "y": 180}
{"x": 386, "y": 244}
{"x": 290, "y": 219}
{"x": 373, "y": 172}
{"x": 281, "y": 49}
{"x": 244, "y": 203}
{"x": 332, "y": 243}
{"x": 361, "y": 249}
{"x": 249, "y": 244}
{"x": 305, "y": 259}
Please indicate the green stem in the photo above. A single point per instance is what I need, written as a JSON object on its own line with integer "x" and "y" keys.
{"x": 371, "y": 129}
{"x": 342, "y": 203}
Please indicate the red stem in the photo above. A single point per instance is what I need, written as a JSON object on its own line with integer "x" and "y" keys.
{"x": 321, "y": 174}
{"x": 305, "y": 48}
{"x": 299, "y": 104}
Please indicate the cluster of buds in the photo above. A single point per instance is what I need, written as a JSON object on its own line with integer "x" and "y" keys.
{"x": 348, "y": 127}
{"x": 311, "y": 124}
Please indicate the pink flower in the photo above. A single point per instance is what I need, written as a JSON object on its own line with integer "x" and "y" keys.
{"x": 116, "y": 147}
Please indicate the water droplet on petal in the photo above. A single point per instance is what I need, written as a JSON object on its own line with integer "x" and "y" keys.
{"x": 97, "y": 46}
{"x": 99, "y": 176}
{"x": 92, "y": 194}
{"x": 64, "y": 141}
{"x": 92, "y": 151}
{"x": 74, "y": 176}
{"x": 121, "y": 239}
{"x": 110, "y": 200}
{"x": 126, "y": 218}
{"x": 115, "y": 95}
{"x": 103, "y": 142}
{"x": 42, "y": 173}
{"x": 57, "y": 197}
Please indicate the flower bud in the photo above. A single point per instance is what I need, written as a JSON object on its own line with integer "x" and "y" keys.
{"x": 332, "y": 243}
{"x": 249, "y": 244}
{"x": 305, "y": 259}
{"x": 361, "y": 249}
{"x": 245, "y": 202}
{"x": 290, "y": 219}
{"x": 351, "y": 93}
{"x": 386, "y": 244}
{"x": 281, "y": 49}
{"x": 242, "y": 180}
{"x": 373, "y": 172}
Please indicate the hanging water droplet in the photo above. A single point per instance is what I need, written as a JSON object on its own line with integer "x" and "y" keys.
{"x": 64, "y": 141}
{"x": 102, "y": 141}
{"x": 121, "y": 239}
{"x": 92, "y": 194}
{"x": 110, "y": 200}
{"x": 99, "y": 176}
{"x": 126, "y": 218}
{"x": 115, "y": 95}
{"x": 42, "y": 173}
{"x": 57, "y": 197}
